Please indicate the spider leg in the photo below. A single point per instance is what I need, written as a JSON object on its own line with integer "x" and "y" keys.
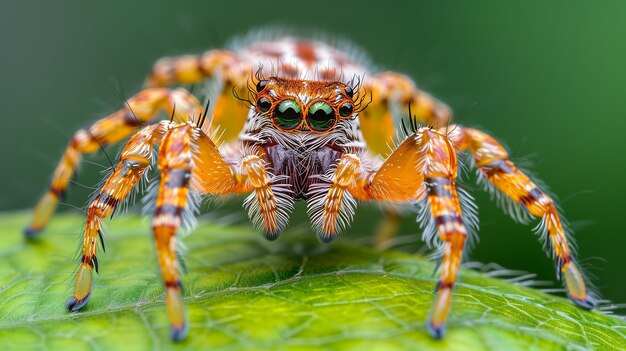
{"x": 112, "y": 129}
{"x": 440, "y": 173}
{"x": 190, "y": 69}
{"x": 387, "y": 228}
{"x": 134, "y": 162}
{"x": 233, "y": 73}
{"x": 331, "y": 203}
{"x": 188, "y": 154}
{"x": 176, "y": 162}
{"x": 494, "y": 165}
{"x": 423, "y": 166}
{"x": 389, "y": 89}
{"x": 268, "y": 203}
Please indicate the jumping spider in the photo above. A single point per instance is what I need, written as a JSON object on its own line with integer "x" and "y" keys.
{"x": 314, "y": 128}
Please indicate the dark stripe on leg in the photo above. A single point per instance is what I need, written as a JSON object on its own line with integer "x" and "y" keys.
{"x": 177, "y": 178}
{"x": 497, "y": 167}
{"x": 438, "y": 186}
{"x": 168, "y": 210}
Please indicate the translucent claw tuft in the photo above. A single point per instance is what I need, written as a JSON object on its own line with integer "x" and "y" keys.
{"x": 179, "y": 333}
{"x": 32, "y": 232}
{"x": 436, "y": 331}
{"x": 74, "y": 304}
{"x": 588, "y": 303}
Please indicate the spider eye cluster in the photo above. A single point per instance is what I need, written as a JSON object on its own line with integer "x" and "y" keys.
{"x": 289, "y": 114}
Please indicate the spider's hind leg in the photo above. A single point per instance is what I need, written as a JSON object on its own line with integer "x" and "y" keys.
{"x": 110, "y": 130}
{"x": 232, "y": 73}
{"x": 389, "y": 89}
{"x": 387, "y": 227}
{"x": 494, "y": 165}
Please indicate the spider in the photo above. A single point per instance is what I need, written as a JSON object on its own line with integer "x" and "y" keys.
{"x": 299, "y": 120}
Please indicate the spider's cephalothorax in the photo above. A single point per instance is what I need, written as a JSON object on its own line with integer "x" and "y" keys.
{"x": 300, "y": 120}
{"x": 303, "y": 126}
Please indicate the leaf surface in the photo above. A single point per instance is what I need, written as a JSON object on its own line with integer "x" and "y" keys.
{"x": 243, "y": 292}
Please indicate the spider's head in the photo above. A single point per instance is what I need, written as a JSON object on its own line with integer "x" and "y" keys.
{"x": 304, "y": 105}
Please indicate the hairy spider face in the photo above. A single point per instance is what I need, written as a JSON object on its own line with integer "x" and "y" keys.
{"x": 304, "y": 105}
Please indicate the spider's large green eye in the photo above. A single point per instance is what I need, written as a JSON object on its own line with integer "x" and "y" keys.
{"x": 288, "y": 114}
{"x": 321, "y": 116}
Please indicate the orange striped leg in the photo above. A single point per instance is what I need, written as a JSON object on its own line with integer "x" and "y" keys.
{"x": 263, "y": 205}
{"x": 399, "y": 179}
{"x": 425, "y": 163}
{"x": 388, "y": 89}
{"x": 440, "y": 174}
{"x": 229, "y": 112}
{"x": 190, "y": 69}
{"x": 176, "y": 161}
{"x": 493, "y": 163}
{"x": 140, "y": 109}
{"x": 187, "y": 153}
{"x": 330, "y": 213}
{"x": 446, "y": 212}
{"x": 268, "y": 204}
{"x": 133, "y": 163}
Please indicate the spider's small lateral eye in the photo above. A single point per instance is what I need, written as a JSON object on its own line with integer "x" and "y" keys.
{"x": 261, "y": 85}
{"x": 346, "y": 109}
{"x": 263, "y": 104}
{"x": 321, "y": 116}
{"x": 349, "y": 91}
{"x": 288, "y": 114}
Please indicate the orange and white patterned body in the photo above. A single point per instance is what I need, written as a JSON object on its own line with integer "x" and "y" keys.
{"x": 300, "y": 157}
{"x": 308, "y": 60}
{"x": 300, "y": 120}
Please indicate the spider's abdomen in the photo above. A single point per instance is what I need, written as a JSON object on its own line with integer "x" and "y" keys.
{"x": 296, "y": 58}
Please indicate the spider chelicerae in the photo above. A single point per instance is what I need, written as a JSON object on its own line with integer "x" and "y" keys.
{"x": 299, "y": 120}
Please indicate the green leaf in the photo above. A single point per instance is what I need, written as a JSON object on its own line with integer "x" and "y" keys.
{"x": 243, "y": 292}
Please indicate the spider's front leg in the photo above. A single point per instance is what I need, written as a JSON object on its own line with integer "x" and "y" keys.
{"x": 189, "y": 159}
{"x": 424, "y": 165}
{"x": 176, "y": 162}
{"x": 494, "y": 165}
{"x": 110, "y": 130}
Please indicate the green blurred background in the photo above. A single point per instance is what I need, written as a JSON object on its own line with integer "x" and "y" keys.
{"x": 548, "y": 79}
